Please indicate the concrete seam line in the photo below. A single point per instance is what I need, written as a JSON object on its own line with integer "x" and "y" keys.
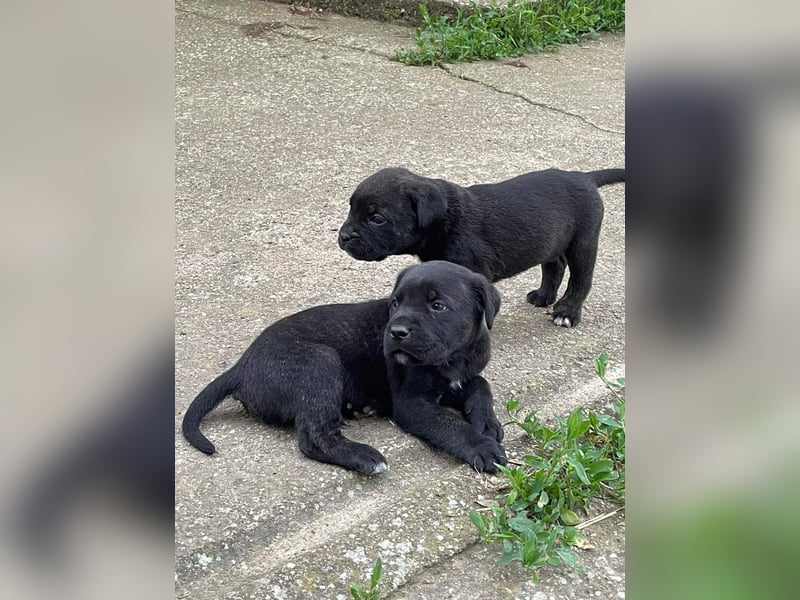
{"x": 526, "y": 99}
{"x": 329, "y": 43}
{"x": 432, "y": 567}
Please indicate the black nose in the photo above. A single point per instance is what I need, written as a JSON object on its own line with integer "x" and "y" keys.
{"x": 345, "y": 236}
{"x": 399, "y": 331}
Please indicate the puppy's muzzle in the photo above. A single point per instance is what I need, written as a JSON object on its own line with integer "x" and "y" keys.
{"x": 401, "y": 342}
{"x": 346, "y": 236}
{"x": 399, "y": 331}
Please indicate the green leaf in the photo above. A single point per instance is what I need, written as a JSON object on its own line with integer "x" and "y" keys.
{"x": 568, "y": 517}
{"x": 509, "y": 473}
{"x": 530, "y": 552}
{"x": 580, "y": 428}
{"x": 511, "y": 497}
{"x": 534, "y": 462}
{"x": 512, "y": 404}
{"x": 601, "y": 363}
{"x": 376, "y": 573}
{"x": 568, "y": 557}
{"x": 522, "y": 524}
{"x": 477, "y": 520}
{"x": 544, "y": 498}
{"x": 512, "y": 554}
{"x": 601, "y": 466}
{"x": 519, "y": 505}
{"x": 579, "y": 470}
{"x": 357, "y": 592}
{"x": 573, "y": 422}
{"x": 609, "y": 421}
{"x": 569, "y": 534}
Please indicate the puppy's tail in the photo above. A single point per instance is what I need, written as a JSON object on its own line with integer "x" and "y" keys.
{"x": 607, "y": 176}
{"x": 214, "y": 393}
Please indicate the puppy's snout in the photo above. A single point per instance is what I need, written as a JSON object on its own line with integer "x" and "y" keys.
{"x": 345, "y": 235}
{"x": 399, "y": 331}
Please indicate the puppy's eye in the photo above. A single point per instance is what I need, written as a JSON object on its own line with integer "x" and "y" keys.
{"x": 394, "y": 303}
{"x": 438, "y": 306}
{"x": 377, "y": 219}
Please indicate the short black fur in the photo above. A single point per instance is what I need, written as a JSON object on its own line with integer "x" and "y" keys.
{"x": 410, "y": 357}
{"x": 550, "y": 218}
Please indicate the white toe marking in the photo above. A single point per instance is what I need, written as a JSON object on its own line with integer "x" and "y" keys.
{"x": 557, "y": 321}
{"x": 380, "y": 468}
{"x": 567, "y": 322}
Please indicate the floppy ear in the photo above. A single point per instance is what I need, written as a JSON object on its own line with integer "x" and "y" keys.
{"x": 489, "y": 299}
{"x": 429, "y": 203}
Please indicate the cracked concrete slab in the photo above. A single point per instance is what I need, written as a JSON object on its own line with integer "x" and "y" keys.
{"x": 275, "y": 126}
{"x": 476, "y": 570}
{"x": 582, "y": 80}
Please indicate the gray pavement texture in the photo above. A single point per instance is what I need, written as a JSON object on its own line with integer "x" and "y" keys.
{"x": 279, "y": 116}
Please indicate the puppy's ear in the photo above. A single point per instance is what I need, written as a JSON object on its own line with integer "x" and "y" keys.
{"x": 428, "y": 201}
{"x": 489, "y": 300}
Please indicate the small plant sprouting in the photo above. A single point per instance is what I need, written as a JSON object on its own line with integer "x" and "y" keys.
{"x": 374, "y": 592}
{"x": 574, "y": 460}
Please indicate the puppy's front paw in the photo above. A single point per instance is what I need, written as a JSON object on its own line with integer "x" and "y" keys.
{"x": 541, "y": 298}
{"x": 483, "y": 456}
{"x": 480, "y": 415}
{"x": 487, "y": 424}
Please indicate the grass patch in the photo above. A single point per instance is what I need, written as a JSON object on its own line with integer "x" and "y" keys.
{"x": 577, "y": 459}
{"x": 374, "y": 592}
{"x": 520, "y": 27}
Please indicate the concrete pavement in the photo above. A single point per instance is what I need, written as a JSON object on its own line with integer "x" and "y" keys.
{"x": 279, "y": 116}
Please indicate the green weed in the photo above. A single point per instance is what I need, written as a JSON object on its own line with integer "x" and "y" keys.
{"x": 374, "y": 592}
{"x": 522, "y": 26}
{"x": 573, "y": 461}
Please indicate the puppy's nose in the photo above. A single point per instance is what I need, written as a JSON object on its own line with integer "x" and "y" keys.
{"x": 345, "y": 236}
{"x": 399, "y": 331}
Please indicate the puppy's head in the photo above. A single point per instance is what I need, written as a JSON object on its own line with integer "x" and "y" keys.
{"x": 436, "y": 309}
{"x": 390, "y": 212}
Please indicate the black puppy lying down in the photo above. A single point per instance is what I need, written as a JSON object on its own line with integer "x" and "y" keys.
{"x": 409, "y": 357}
{"x": 547, "y": 217}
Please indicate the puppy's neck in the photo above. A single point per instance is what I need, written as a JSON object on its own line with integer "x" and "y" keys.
{"x": 434, "y": 240}
{"x": 468, "y": 362}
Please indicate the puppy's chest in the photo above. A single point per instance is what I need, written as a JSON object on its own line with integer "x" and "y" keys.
{"x": 453, "y": 377}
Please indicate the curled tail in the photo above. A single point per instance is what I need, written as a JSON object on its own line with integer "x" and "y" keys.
{"x": 213, "y": 394}
{"x": 607, "y": 176}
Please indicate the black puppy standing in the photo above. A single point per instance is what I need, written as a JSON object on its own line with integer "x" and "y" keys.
{"x": 410, "y": 357}
{"x": 551, "y": 218}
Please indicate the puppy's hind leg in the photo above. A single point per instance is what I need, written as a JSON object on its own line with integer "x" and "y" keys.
{"x": 318, "y": 420}
{"x": 321, "y": 438}
{"x": 581, "y": 256}
{"x": 552, "y": 276}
